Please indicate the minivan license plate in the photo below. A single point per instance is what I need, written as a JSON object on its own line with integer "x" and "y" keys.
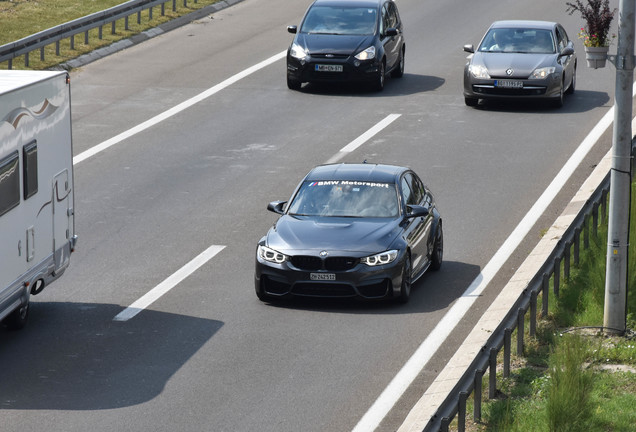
{"x": 322, "y": 276}
{"x": 328, "y": 68}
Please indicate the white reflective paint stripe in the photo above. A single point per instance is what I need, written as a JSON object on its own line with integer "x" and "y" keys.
{"x": 414, "y": 366}
{"x": 169, "y": 283}
{"x": 176, "y": 109}
{"x": 364, "y": 137}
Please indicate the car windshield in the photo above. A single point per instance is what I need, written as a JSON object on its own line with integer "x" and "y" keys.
{"x": 340, "y": 20}
{"x": 345, "y": 199}
{"x": 518, "y": 40}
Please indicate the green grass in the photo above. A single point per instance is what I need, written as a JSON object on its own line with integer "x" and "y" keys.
{"x": 564, "y": 381}
{"x": 21, "y": 18}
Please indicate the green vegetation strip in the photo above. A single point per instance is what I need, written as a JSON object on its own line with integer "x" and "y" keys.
{"x": 22, "y": 18}
{"x": 572, "y": 377}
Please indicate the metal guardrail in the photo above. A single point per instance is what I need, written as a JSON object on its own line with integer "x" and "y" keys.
{"x": 486, "y": 359}
{"x": 70, "y": 29}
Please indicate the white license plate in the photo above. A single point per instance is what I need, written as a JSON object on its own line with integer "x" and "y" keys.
{"x": 509, "y": 84}
{"x": 328, "y": 68}
{"x": 322, "y": 276}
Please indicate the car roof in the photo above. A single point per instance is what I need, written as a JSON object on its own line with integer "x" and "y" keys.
{"x": 548, "y": 25}
{"x": 349, "y": 3}
{"x": 360, "y": 172}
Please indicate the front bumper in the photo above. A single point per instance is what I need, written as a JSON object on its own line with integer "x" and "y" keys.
{"x": 546, "y": 88}
{"x": 359, "y": 281}
{"x": 352, "y": 69}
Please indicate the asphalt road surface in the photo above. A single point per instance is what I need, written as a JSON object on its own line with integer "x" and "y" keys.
{"x": 205, "y": 354}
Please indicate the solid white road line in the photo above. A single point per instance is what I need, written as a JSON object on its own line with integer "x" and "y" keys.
{"x": 396, "y": 388}
{"x": 364, "y": 137}
{"x": 170, "y": 282}
{"x": 176, "y": 109}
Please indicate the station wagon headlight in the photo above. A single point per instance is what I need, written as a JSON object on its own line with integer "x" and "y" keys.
{"x": 380, "y": 259}
{"x": 298, "y": 52}
{"x": 270, "y": 255}
{"x": 367, "y": 54}
{"x": 542, "y": 73}
{"x": 479, "y": 71}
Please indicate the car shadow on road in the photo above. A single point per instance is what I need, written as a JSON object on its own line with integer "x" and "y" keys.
{"x": 433, "y": 291}
{"x": 86, "y": 361}
{"x": 580, "y": 101}
{"x": 408, "y": 84}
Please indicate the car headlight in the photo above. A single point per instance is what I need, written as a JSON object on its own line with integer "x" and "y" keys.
{"x": 479, "y": 71}
{"x": 298, "y": 52}
{"x": 367, "y": 54}
{"x": 270, "y": 255}
{"x": 380, "y": 259}
{"x": 542, "y": 73}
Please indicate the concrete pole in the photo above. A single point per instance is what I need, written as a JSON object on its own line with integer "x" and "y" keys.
{"x": 620, "y": 187}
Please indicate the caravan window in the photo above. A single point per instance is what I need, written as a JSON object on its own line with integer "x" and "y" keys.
{"x": 30, "y": 160}
{"x": 9, "y": 183}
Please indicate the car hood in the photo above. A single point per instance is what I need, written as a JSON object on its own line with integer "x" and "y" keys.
{"x": 522, "y": 65}
{"x": 333, "y": 44}
{"x": 310, "y": 235}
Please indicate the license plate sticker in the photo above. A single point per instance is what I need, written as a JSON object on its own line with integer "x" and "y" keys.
{"x": 322, "y": 276}
{"x": 328, "y": 68}
{"x": 509, "y": 84}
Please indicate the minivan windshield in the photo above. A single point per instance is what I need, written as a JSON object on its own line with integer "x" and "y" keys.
{"x": 340, "y": 20}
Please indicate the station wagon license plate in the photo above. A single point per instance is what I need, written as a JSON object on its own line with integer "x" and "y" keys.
{"x": 322, "y": 276}
{"x": 328, "y": 68}
{"x": 509, "y": 84}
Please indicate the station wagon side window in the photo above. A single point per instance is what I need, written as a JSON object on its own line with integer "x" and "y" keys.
{"x": 562, "y": 38}
{"x": 9, "y": 182}
{"x": 30, "y": 171}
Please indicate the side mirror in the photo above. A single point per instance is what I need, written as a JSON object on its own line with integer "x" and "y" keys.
{"x": 414, "y": 211}
{"x": 277, "y": 207}
{"x": 469, "y": 48}
{"x": 292, "y": 29}
{"x": 392, "y": 31}
{"x": 568, "y": 50}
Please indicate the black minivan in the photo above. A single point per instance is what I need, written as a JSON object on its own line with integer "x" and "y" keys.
{"x": 347, "y": 40}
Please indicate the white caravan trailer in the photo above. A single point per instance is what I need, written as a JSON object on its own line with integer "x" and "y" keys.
{"x": 37, "y": 227}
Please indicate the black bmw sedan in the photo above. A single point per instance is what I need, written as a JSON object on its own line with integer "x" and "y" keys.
{"x": 351, "y": 230}
{"x": 347, "y": 40}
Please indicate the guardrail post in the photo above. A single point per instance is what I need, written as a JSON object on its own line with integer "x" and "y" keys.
{"x": 604, "y": 205}
{"x": 492, "y": 374}
{"x": 586, "y": 231}
{"x": 174, "y": 5}
{"x": 10, "y": 64}
{"x": 520, "y": 331}
{"x": 73, "y": 42}
{"x": 26, "y": 60}
{"x": 185, "y": 3}
{"x": 566, "y": 260}
{"x": 577, "y": 245}
{"x": 126, "y": 27}
{"x": 100, "y": 34}
{"x": 461, "y": 411}
{"x": 139, "y": 17}
{"x": 444, "y": 424}
{"x": 533, "y": 313}
{"x": 595, "y": 219}
{"x": 545, "y": 292}
{"x": 41, "y": 53}
{"x": 112, "y": 27}
{"x": 150, "y": 13}
{"x": 477, "y": 395}
{"x": 57, "y": 48}
{"x": 556, "y": 277}
{"x": 163, "y": 9}
{"x": 506, "y": 365}
{"x": 86, "y": 37}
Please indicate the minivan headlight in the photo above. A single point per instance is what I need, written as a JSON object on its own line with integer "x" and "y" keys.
{"x": 367, "y": 54}
{"x": 298, "y": 52}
